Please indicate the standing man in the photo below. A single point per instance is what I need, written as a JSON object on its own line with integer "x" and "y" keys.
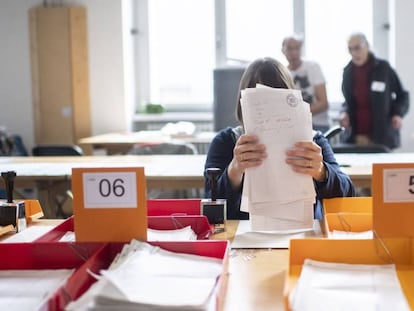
{"x": 309, "y": 79}
{"x": 375, "y": 101}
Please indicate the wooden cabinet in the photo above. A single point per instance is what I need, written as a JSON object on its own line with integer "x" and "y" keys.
{"x": 60, "y": 77}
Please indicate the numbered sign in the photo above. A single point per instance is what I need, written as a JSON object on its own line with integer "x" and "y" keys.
{"x": 398, "y": 185}
{"x": 109, "y": 204}
{"x": 110, "y": 189}
{"x": 393, "y": 199}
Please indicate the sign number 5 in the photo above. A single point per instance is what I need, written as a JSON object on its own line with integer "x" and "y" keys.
{"x": 395, "y": 185}
{"x": 411, "y": 184}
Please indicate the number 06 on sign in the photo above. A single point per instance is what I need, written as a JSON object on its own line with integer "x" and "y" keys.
{"x": 109, "y": 204}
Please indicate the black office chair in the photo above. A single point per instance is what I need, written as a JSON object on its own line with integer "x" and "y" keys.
{"x": 164, "y": 148}
{"x": 167, "y": 148}
{"x": 59, "y": 150}
{"x": 333, "y": 131}
{"x": 352, "y": 148}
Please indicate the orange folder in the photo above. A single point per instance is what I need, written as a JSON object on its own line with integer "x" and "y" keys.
{"x": 352, "y": 214}
{"x": 374, "y": 251}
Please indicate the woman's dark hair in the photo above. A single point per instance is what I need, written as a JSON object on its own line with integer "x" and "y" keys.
{"x": 266, "y": 71}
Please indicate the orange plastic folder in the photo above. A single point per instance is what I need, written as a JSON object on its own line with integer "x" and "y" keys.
{"x": 109, "y": 204}
{"x": 399, "y": 251}
{"x": 393, "y": 195}
{"x": 33, "y": 210}
{"x": 351, "y": 214}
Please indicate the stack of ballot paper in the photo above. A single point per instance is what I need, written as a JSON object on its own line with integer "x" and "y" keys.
{"x": 30, "y": 289}
{"x": 181, "y": 234}
{"x": 339, "y": 286}
{"x": 146, "y": 277}
{"x": 337, "y": 234}
{"x": 276, "y": 197}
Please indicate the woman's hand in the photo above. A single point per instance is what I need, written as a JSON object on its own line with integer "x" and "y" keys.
{"x": 246, "y": 153}
{"x": 306, "y": 158}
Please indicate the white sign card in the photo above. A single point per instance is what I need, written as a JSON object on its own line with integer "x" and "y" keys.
{"x": 398, "y": 185}
{"x": 110, "y": 190}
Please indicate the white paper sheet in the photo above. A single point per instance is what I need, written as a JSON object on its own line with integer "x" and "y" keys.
{"x": 29, "y": 289}
{"x": 276, "y": 197}
{"x": 245, "y": 237}
{"x": 28, "y": 235}
{"x": 279, "y": 118}
{"x": 337, "y": 234}
{"x": 337, "y": 286}
{"x": 145, "y": 277}
{"x": 182, "y": 234}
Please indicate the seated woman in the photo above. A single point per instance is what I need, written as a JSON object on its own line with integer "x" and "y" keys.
{"x": 233, "y": 151}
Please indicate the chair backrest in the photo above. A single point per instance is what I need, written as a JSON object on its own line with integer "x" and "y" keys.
{"x": 353, "y": 148}
{"x": 333, "y": 131}
{"x": 164, "y": 148}
{"x": 57, "y": 150}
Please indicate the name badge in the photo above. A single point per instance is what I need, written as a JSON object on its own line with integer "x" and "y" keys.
{"x": 378, "y": 86}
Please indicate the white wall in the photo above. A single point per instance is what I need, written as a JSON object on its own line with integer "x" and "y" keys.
{"x": 109, "y": 109}
{"x": 15, "y": 81}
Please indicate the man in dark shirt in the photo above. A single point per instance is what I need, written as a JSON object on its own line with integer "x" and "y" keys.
{"x": 375, "y": 101}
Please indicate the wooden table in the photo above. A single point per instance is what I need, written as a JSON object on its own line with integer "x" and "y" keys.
{"x": 256, "y": 276}
{"x": 121, "y": 143}
{"x": 359, "y": 166}
{"x": 52, "y": 174}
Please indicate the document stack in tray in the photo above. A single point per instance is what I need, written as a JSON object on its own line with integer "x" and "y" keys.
{"x": 340, "y": 286}
{"x": 146, "y": 277}
{"x": 276, "y": 197}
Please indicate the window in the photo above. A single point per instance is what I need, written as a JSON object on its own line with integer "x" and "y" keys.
{"x": 181, "y": 52}
{"x": 180, "y": 42}
{"x": 327, "y": 32}
{"x": 256, "y": 28}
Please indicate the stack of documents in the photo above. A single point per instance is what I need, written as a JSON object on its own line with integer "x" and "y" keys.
{"x": 337, "y": 286}
{"x": 30, "y": 289}
{"x": 276, "y": 197}
{"x": 336, "y": 234}
{"x": 145, "y": 277}
{"x": 181, "y": 234}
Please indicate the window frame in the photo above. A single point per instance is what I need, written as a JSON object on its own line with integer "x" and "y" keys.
{"x": 141, "y": 44}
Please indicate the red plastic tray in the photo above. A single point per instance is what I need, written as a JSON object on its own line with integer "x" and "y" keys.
{"x": 199, "y": 224}
{"x": 85, "y": 257}
{"x": 165, "y": 207}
